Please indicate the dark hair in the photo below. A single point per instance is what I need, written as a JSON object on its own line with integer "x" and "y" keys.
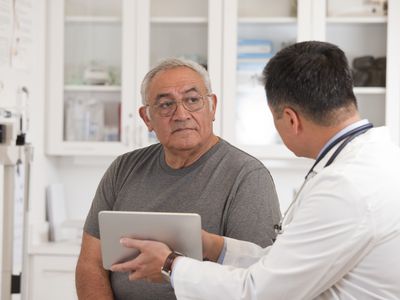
{"x": 313, "y": 78}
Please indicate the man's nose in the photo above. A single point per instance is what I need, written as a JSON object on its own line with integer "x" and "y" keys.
{"x": 180, "y": 112}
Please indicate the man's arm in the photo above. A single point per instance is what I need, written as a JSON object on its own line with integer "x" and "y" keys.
{"x": 212, "y": 245}
{"x": 326, "y": 238}
{"x": 92, "y": 281}
{"x": 254, "y": 209}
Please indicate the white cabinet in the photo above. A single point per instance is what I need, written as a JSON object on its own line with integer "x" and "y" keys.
{"x": 233, "y": 38}
{"x": 253, "y": 31}
{"x": 91, "y": 91}
{"x": 374, "y": 39}
{"x": 191, "y": 29}
{"x": 53, "y": 277}
{"x": 52, "y": 272}
{"x": 99, "y": 54}
{"x": 253, "y": 25}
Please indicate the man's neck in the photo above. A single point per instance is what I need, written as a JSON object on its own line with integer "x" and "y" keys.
{"x": 184, "y": 158}
{"x": 322, "y": 135}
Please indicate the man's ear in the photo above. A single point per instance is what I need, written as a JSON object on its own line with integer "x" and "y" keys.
{"x": 144, "y": 114}
{"x": 292, "y": 120}
{"x": 213, "y": 107}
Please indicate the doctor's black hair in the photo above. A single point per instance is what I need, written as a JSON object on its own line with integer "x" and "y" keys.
{"x": 313, "y": 78}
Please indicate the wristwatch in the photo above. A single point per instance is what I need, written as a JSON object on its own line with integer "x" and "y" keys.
{"x": 166, "y": 270}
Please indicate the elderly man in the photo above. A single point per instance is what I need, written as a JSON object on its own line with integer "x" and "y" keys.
{"x": 190, "y": 170}
{"x": 340, "y": 238}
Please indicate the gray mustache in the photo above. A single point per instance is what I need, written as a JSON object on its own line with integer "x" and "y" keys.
{"x": 181, "y": 126}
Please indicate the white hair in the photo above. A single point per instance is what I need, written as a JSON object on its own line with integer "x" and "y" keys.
{"x": 172, "y": 63}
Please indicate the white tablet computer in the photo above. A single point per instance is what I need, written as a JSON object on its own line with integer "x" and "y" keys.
{"x": 180, "y": 231}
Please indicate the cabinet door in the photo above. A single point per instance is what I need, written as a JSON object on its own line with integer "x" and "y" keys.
{"x": 52, "y": 277}
{"x": 90, "y": 110}
{"x": 363, "y": 37}
{"x": 254, "y": 31}
{"x": 189, "y": 29}
{"x": 361, "y": 30}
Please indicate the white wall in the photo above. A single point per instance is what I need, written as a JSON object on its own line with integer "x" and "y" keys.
{"x": 33, "y": 78}
{"x": 80, "y": 177}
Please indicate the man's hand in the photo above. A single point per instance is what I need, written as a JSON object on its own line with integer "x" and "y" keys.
{"x": 147, "y": 265}
{"x": 212, "y": 245}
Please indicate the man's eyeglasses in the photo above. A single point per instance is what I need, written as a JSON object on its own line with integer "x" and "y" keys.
{"x": 166, "y": 107}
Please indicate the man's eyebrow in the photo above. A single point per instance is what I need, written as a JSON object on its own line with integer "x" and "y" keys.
{"x": 169, "y": 95}
{"x": 193, "y": 89}
{"x": 163, "y": 95}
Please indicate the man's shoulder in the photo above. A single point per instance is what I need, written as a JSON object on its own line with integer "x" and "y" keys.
{"x": 151, "y": 150}
{"x": 142, "y": 155}
{"x": 238, "y": 156}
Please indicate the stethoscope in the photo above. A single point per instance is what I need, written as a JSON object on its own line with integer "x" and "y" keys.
{"x": 346, "y": 138}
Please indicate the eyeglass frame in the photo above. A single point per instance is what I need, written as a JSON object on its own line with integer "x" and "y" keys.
{"x": 202, "y": 97}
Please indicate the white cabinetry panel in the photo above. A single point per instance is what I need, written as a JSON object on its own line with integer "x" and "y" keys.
{"x": 52, "y": 277}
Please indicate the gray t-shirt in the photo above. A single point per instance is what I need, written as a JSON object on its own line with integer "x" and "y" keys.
{"x": 232, "y": 192}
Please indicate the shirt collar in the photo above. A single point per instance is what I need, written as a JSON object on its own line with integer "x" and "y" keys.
{"x": 342, "y": 132}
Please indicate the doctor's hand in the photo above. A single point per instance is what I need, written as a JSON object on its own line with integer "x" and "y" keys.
{"x": 212, "y": 245}
{"x": 147, "y": 265}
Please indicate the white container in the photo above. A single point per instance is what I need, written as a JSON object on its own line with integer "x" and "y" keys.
{"x": 74, "y": 119}
{"x": 96, "y": 76}
{"x": 94, "y": 130}
{"x": 84, "y": 120}
{"x": 357, "y": 8}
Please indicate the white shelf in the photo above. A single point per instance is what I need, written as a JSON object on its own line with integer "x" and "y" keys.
{"x": 56, "y": 248}
{"x": 268, "y": 20}
{"x": 92, "y": 88}
{"x": 91, "y": 148}
{"x": 92, "y": 19}
{"x": 356, "y": 20}
{"x": 369, "y": 90}
{"x": 179, "y": 20}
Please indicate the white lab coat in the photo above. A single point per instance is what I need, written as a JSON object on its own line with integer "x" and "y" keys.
{"x": 342, "y": 240}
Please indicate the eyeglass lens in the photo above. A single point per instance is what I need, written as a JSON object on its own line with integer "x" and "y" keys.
{"x": 166, "y": 107}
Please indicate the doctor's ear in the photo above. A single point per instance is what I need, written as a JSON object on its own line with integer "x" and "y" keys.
{"x": 145, "y": 115}
{"x": 292, "y": 119}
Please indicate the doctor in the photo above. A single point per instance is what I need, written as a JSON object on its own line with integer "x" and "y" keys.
{"x": 340, "y": 238}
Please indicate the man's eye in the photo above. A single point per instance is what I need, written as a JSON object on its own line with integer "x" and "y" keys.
{"x": 166, "y": 104}
{"x": 192, "y": 100}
